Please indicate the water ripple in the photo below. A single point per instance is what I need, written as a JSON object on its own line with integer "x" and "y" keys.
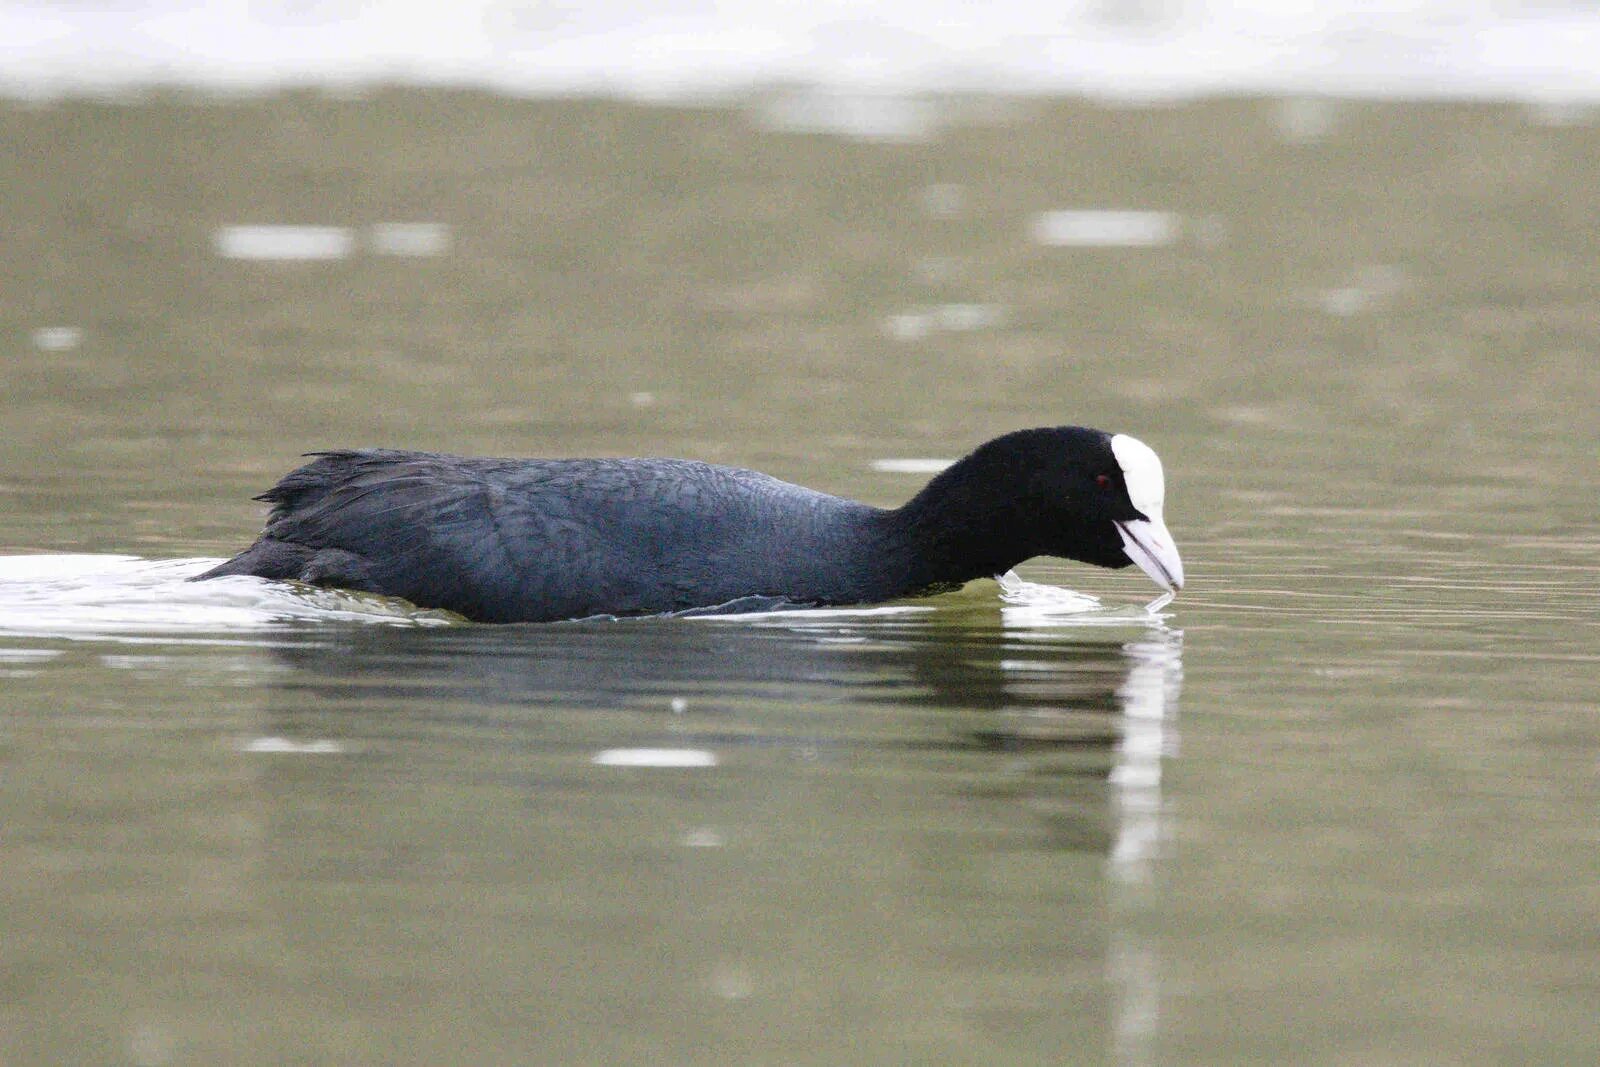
{"x": 104, "y": 596}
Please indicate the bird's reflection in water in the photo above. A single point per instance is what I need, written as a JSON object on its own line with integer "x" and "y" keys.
{"x": 925, "y": 747}
{"x": 1079, "y": 717}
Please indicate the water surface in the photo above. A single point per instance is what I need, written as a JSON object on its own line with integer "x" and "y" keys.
{"x": 1335, "y": 804}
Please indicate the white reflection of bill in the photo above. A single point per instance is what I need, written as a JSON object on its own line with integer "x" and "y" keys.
{"x": 1149, "y": 736}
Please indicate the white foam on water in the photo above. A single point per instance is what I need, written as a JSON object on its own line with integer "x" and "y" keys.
{"x": 287, "y": 747}
{"x": 911, "y": 465}
{"x": 655, "y": 757}
{"x": 1095, "y": 228}
{"x": 908, "y": 325}
{"x": 915, "y": 323}
{"x": 283, "y": 242}
{"x": 962, "y": 318}
{"x": 133, "y": 600}
{"x": 411, "y": 239}
{"x": 1036, "y": 607}
{"x": 57, "y": 338}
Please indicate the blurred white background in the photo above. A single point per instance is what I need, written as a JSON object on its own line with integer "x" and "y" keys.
{"x": 1539, "y": 50}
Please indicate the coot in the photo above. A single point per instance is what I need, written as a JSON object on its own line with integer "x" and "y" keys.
{"x": 533, "y": 540}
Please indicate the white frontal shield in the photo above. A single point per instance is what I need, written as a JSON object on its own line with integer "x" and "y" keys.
{"x": 1146, "y": 541}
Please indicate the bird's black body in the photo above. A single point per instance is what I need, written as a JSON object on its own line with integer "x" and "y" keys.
{"x": 519, "y": 540}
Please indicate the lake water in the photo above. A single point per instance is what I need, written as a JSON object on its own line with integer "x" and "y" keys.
{"x": 1336, "y": 803}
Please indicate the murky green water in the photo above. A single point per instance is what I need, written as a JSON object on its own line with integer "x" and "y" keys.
{"x": 1339, "y": 805}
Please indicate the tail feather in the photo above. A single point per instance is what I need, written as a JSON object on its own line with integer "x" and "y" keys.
{"x": 267, "y": 558}
{"x": 327, "y": 471}
{"x": 278, "y": 553}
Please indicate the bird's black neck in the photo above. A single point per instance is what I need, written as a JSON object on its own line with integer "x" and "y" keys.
{"x": 960, "y": 527}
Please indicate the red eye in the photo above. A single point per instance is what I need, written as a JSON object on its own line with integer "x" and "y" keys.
{"x": 1103, "y": 481}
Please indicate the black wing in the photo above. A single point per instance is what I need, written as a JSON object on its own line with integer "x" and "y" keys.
{"x": 440, "y": 531}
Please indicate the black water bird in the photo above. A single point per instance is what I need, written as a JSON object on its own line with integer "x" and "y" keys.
{"x": 534, "y": 540}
